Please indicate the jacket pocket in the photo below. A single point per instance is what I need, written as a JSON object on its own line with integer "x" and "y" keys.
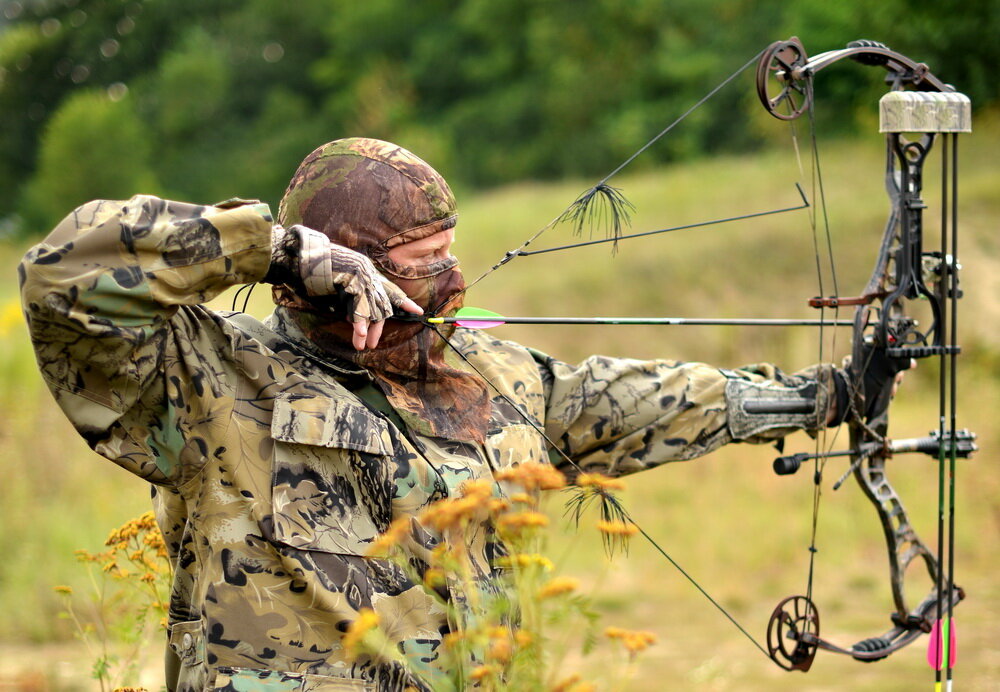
{"x": 332, "y": 480}
{"x": 188, "y": 642}
{"x": 246, "y": 680}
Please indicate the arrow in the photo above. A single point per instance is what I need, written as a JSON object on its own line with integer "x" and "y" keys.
{"x": 478, "y": 318}
{"x": 936, "y": 647}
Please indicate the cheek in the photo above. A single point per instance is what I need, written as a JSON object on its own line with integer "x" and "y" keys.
{"x": 412, "y": 287}
{"x": 435, "y": 289}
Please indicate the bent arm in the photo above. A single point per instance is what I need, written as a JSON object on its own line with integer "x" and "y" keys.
{"x": 103, "y": 296}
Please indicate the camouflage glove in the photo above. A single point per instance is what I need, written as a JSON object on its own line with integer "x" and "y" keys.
{"x": 878, "y": 379}
{"x": 317, "y": 268}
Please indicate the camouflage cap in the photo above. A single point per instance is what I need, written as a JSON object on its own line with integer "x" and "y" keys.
{"x": 368, "y": 195}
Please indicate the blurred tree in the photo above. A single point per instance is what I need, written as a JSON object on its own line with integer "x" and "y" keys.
{"x": 94, "y": 147}
{"x": 192, "y": 88}
{"x": 235, "y": 91}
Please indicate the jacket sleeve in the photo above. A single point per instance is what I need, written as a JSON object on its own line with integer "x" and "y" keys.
{"x": 112, "y": 298}
{"x": 620, "y": 416}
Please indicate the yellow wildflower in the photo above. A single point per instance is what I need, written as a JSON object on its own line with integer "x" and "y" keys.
{"x": 148, "y": 578}
{"x": 366, "y": 621}
{"x": 599, "y": 482}
{"x": 482, "y": 672}
{"x": 497, "y": 505}
{"x": 454, "y": 512}
{"x": 154, "y": 539}
{"x": 147, "y": 521}
{"x": 10, "y": 316}
{"x": 434, "y": 577}
{"x": 573, "y": 684}
{"x": 452, "y": 639}
{"x": 558, "y": 586}
{"x": 522, "y": 498}
{"x": 500, "y": 650}
{"x": 525, "y": 560}
{"x": 633, "y": 640}
{"x": 617, "y": 528}
{"x": 393, "y": 536}
{"x": 479, "y": 489}
{"x": 63, "y": 589}
{"x": 533, "y": 476}
{"x": 517, "y": 521}
{"x": 523, "y": 638}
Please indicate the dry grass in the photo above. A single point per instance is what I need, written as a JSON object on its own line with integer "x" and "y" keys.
{"x": 727, "y": 519}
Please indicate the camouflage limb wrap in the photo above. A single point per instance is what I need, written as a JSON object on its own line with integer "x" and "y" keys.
{"x": 272, "y": 476}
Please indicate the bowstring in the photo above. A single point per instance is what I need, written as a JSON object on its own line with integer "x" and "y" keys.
{"x": 822, "y": 242}
{"x": 616, "y": 508}
{"x": 822, "y": 445}
{"x": 566, "y": 213}
{"x": 509, "y": 255}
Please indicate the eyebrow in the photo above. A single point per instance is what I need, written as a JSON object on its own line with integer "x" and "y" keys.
{"x": 433, "y": 242}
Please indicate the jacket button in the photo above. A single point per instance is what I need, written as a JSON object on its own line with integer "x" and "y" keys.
{"x": 187, "y": 641}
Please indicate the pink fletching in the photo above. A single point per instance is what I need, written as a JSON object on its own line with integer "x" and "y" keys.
{"x": 935, "y": 647}
{"x": 478, "y": 323}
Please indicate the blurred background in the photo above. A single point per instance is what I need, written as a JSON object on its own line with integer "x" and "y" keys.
{"x": 522, "y": 105}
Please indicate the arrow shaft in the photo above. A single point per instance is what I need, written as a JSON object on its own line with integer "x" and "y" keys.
{"x": 670, "y": 321}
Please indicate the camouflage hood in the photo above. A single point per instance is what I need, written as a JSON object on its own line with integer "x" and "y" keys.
{"x": 372, "y": 196}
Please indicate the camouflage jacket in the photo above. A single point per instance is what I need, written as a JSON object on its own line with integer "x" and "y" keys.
{"x": 271, "y": 476}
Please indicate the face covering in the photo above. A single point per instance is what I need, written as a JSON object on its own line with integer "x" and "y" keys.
{"x": 372, "y": 196}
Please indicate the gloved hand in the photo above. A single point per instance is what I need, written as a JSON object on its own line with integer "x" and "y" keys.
{"x": 317, "y": 268}
{"x": 876, "y": 378}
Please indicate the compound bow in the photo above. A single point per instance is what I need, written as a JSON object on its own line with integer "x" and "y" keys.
{"x": 918, "y": 102}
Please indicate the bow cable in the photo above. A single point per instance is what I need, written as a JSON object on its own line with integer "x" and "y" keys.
{"x": 618, "y": 207}
{"x": 610, "y": 506}
{"x": 615, "y": 209}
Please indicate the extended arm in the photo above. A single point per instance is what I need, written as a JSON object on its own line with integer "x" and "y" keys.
{"x": 620, "y": 416}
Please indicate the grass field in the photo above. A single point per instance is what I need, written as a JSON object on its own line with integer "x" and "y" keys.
{"x": 740, "y": 530}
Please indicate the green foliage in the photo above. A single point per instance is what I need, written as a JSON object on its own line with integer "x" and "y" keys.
{"x": 94, "y": 147}
{"x": 739, "y": 529}
{"x": 192, "y": 88}
{"x": 235, "y": 93}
